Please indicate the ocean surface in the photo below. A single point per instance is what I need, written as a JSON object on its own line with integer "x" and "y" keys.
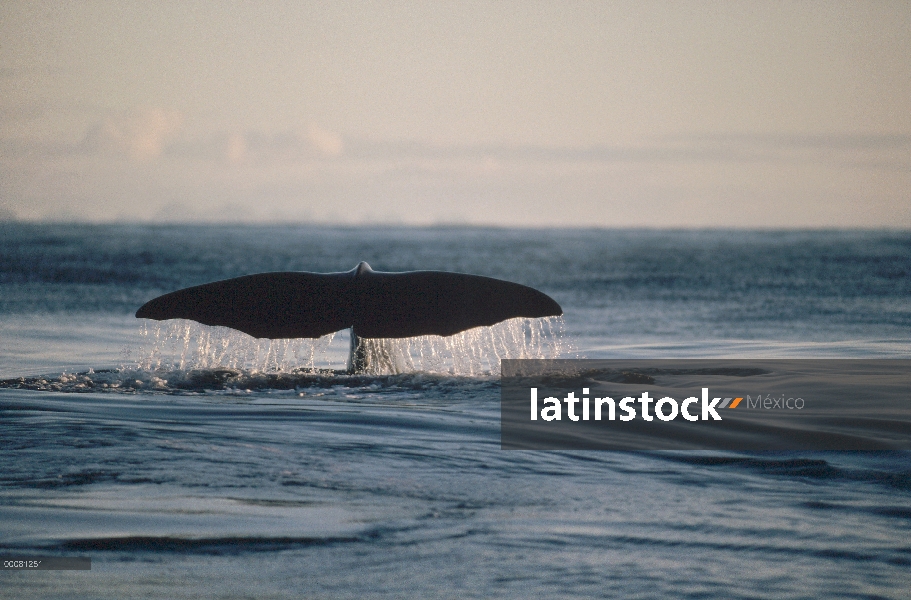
{"x": 189, "y": 461}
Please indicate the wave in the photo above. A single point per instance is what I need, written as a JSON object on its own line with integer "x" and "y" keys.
{"x": 216, "y": 545}
{"x": 236, "y": 381}
{"x": 812, "y": 468}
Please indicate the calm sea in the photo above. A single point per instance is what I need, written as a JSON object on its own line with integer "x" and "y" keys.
{"x": 188, "y": 461}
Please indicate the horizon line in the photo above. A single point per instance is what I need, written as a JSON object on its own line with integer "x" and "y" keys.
{"x": 442, "y": 224}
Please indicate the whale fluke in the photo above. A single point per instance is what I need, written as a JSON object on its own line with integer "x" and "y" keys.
{"x": 373, "y": 304}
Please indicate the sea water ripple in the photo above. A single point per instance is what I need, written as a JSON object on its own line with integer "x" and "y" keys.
{"x": 240, "y": 481}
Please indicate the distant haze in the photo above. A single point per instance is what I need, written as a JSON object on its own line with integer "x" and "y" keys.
{"x": 608, "y": 114}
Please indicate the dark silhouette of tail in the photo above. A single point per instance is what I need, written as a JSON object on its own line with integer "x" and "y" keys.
{"x": 373, "y": 304}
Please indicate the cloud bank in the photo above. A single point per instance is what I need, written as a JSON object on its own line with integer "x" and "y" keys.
{"x": 152, "y": 164}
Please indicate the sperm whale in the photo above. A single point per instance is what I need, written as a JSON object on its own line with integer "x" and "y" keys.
{"x": 373, "y": 304}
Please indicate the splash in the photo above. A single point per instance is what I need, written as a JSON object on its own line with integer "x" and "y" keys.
{"x": 187, "y": 346}
{"x": 184, "y": 357}
{"x": 474, "y": 352}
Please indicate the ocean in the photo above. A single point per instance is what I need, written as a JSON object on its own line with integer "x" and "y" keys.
{"x": 190, "y": 461}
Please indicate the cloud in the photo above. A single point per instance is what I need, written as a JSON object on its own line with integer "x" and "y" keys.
{"x": 252, "y": 147}
{"x": 141, "y": 135}
{"x": 327, "y": 142}
{"x": 834, "y": 141}
{"x": 888, "y": 151}
{"x": 235, "y": 148}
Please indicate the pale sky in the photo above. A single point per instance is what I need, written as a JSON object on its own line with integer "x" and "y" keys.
{"x": 607, "y": 114}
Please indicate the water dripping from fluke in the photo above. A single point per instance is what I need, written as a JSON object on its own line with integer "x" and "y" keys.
{"x": 186, "y": 346}
{"x": 184, "y": 357}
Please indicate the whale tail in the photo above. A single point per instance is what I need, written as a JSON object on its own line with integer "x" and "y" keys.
{"x": 372, "y": 304}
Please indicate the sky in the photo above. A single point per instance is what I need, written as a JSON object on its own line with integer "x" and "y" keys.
{"x": 509, "y": 113}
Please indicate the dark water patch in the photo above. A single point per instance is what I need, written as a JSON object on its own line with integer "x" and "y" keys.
{"x": 212, "y": 546}
{"x": 138, "y": 480}
{"x": 882, "y": 554}
{"x": 796, "y": 467}
{"x": 85, "y": 477}
{"x": 809, "y": 468}
{"x": 204, "y": 381}
{"x": 9, "y": 406}
{"x": 897, "y": 512}
{"x": 821, "y": 505}
{"x": 275, "y": 502}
